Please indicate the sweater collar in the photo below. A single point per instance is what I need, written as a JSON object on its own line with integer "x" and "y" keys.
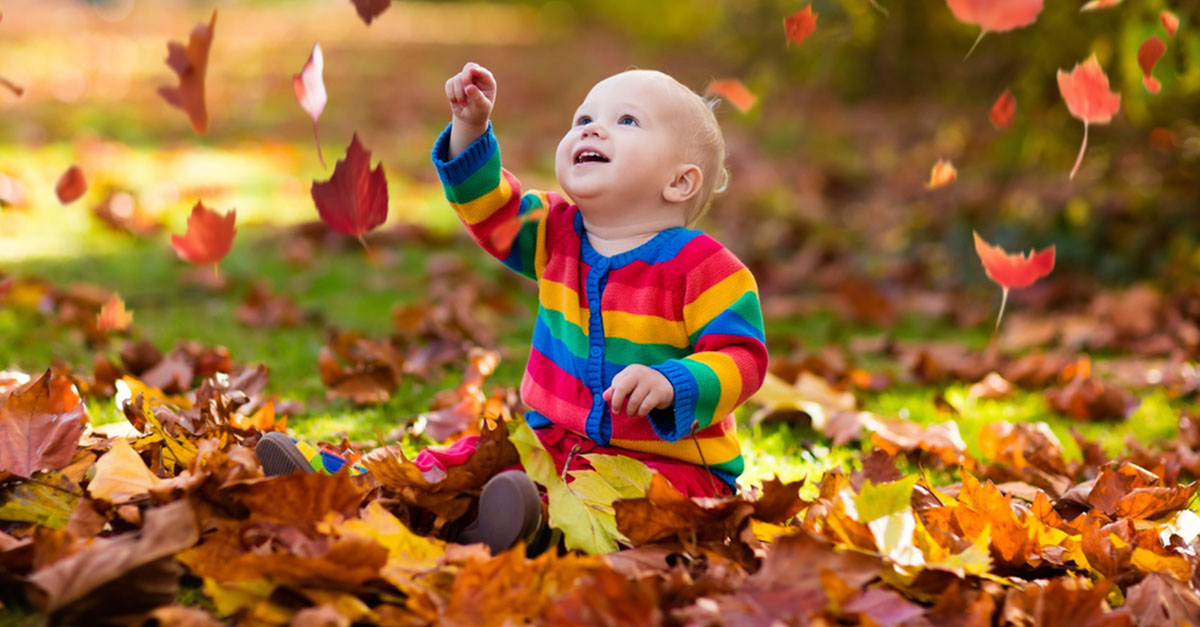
{"x": 647, "y": 252}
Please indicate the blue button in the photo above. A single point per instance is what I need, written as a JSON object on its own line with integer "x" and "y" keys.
{"x": 595, "y": 351}
{"x": 599, "y": 400}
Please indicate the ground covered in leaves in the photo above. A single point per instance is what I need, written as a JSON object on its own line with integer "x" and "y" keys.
{"x": 905, "y": 465}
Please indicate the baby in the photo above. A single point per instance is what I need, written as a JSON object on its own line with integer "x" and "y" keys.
{"x": 648, "y": 334}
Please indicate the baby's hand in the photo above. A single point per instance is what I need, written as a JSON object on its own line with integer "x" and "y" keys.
{"x": 642, "y": 387}
{"x": 471, "y": 93}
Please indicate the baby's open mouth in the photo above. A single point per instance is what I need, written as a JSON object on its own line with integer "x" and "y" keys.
{"x": 589, "y": 156}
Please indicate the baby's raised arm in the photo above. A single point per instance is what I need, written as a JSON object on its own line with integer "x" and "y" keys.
{"x": 471, "y": 93}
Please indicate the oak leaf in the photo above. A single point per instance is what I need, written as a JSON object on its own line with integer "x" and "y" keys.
{"x": 733, "y": 91}
{"x": 995, "y": 16}
{"x": 1003, "y": 110}
{"x": 355, "y": 199}
{"x": 71, "y": 185}
{"x": 208, "y": 238}
{"x": 309, "y": 86}
{"x": 40, "y": 426}
{"x": 800, "y": 25}
{"x": 1149, "y": 53}
{"x": 191, "y": 64}
{"x": 1088, "y": 98}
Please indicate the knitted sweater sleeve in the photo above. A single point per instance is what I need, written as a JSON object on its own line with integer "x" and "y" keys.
{"x": 723, "y": 318}
{"x": 487, "y": 198}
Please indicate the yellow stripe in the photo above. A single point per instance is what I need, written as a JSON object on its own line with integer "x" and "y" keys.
{"x": 560, "y": 298}
{"x": 542, "y": 254}
{"x": 717, "y": 298}
{"x": 483, "y": 207}
{"x": 645, "y": 329}
{"x": 731, "y": 379}
{"x": 716, "y": 450}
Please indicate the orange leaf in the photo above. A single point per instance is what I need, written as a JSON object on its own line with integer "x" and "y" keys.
{"x": 1003, "y": 110}
{"x": 1170, "y": 22}
{"x": 1019, "y": 270}
{"x": 112, "y": 316}
{"x": 943, "y": 174}
{"x": 1088, "y": 98}
{"x": 1149, "y": 53}
{"x": 355, "y": 199}
{"x": 310, "y": 90}
{"x": 1096, "y": 5}
{"x": 208, "y": 238}
{"x": 191, "y": 64}
{"x": 995, "y": 16}
{"x": 734, "y": 91}
{"x": 800, "y": 25}
{"x": 71, "y": 185}
{"x": 40, "y": 427}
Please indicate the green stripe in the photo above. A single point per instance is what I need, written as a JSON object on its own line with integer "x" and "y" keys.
{"x": 566, "y": 331}
{"x": 527, "y": 247}
{"x": 746, "y": 306}
{"x": 619, "y": 350}
{"x": 708, "y": 390}
{"x": 483, "y": 181}
{"x": 734, "y": 466}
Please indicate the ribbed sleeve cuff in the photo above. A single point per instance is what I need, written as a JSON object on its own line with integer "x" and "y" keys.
{"x": 458, "y": 169}
{"x": 676, "y": 422}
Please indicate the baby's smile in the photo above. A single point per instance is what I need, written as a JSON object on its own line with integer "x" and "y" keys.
{"x": 584, "y": 156}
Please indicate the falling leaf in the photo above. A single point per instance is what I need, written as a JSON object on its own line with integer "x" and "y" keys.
{"x": 734, "y": 91}
{"x": 800, "y": 25}
{"x": 370, "y": 9}
{"x": 40, "y": 427}
{"x": 12, "y": 192}
{"x": 191, "y": 64}
{"x": 71, "y": 185}
{"x": 995, "y": 16}
{"x": 355, "y": 199}
{"x": 1088, "y": 98}
{"x": 1096, "y": 5}
{"x": 1013, "y": 271}
{"x": 1003, "y": 110}
{"x": 1149, "y": 53}
{"x": 309, "y": 86}
{"x": 1170, "y": 22}
{"x": 121, "y": 475}
{"x": 113, "y": 317}
{"x": 16, "y": 89}
{"x": 208, "y": 237}
{"x": 943, "y": 174}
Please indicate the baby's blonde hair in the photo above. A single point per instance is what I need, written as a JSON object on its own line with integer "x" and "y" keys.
{"x": 706, "y": 146}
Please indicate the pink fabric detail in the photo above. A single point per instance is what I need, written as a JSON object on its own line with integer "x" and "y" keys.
{"x": 453, "y": 455}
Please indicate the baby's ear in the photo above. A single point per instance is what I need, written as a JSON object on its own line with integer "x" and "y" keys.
{"x": 684, "y": 184}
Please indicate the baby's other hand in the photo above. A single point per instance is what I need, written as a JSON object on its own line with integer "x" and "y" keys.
{"x": 642, "y": 388}
{"x": 471, "y": 93}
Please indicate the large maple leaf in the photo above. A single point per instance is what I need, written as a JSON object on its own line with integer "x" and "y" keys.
{"x": 208, "y": 238}
{"x": 355, "y": 199}
{"x": 191, "y": 64}
{"x": 995, "y": 16}
{"x": 1009, "y": 271}
{"x": 1088, "y": 98}
{"x": 40, "y": 427}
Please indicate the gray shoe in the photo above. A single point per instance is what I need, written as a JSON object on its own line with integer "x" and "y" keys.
{"x": 510, "y": 510}
{"x": 279, "y": 455}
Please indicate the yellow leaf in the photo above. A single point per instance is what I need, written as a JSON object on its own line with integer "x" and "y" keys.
{"x": 121, "y": 475}
{"x": 1148, "y": 562}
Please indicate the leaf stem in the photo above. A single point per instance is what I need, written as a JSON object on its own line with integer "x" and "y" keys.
{"x": 1082, "y": 148}
{"x": 978, "y": 39}
{"x": 1003, "y": 302}
{"x": 317, "y": 138}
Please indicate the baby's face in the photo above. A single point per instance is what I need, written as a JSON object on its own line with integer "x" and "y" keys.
{"x": 624, "y": 143}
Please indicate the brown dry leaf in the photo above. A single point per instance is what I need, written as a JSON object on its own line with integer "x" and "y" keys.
{"x": 121, "y": 475}
{"x": 1161, "y": 600}
{"x": 182, "y": 616}
{"x": 1028, "y": 452}
{"x": 121, "y": 212}
{"x": 191, "y": 64}
{"x": 1128, "y": 491}
{"x": 71, "y": 185}
{"x": 1087, "y": 398}
{"x": 368, "y": 10}
{"x": 41, "y": 425}
{"x": 992, "y": 387}
{"x": 606, "y": 598}
{"x": 300, "y": 499}
{"x": 122, "y": 573}
{"x": 262, "y": 307}
{"x": 375, "y": 368}
{"x": 1062, "y": 601}
{"x": 666, "y": 513}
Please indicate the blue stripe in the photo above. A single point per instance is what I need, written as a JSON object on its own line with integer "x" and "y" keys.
{"x": 731, "y": 323}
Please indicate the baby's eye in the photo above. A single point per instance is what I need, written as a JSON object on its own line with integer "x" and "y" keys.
{"x": 628, "y": 119}
{"x": 583, "y": 119}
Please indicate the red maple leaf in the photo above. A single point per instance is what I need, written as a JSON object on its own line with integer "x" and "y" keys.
{"x": 40, "y": 426}
{"x": 800, "y": 25}
{"x": 1011, "y": 271}
{"x": 71, "y": 185}
{"x": 1149, "y": 53}
{"x": 355, "y": 199}
{"x": 191, "y": 64}
{"x": 995, "y": 16}
{"x": 1003, "y": 110}
{"x": 1088, "y": 98}
{"x": 208, "y": 238}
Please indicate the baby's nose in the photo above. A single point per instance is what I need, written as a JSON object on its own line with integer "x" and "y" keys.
{"x": 592, "y": 128}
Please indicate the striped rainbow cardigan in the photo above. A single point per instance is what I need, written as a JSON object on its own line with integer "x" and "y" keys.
{"x": 680, "y": 303}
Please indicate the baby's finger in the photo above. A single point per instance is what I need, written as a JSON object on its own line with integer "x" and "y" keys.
{"x": 620, "y": 391}
{"x": 460, "y": 96}
{"x": 483, "y": 78}
{"x": 636, "y": 398}
{"x": 651, "y": 401}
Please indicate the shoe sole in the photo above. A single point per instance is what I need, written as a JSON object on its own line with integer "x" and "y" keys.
{"x": 279, "y": 456}
{"x": 498, "y": 526}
